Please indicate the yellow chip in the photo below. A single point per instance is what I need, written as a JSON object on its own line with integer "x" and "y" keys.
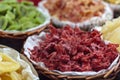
{"x": 8, "y": 64}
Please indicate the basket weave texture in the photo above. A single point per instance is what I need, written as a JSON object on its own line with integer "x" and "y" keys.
{"x": 20, "y": 35}
{"x": 108, "y": 75}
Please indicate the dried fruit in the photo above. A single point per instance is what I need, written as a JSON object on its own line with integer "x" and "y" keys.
{"x": 75, "y": 10}
{"x": 71, "y": 49}
{"x": 7, "y": 64}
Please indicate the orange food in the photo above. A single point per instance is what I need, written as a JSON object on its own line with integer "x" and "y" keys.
{"x": 74, "y": 10}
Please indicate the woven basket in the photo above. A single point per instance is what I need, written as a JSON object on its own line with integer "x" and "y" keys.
{"x": 20, "y": 35}
{"x": 16, "y": 34}
{"x": 85, "y": 25}
{"x": 25, "y": 59}
{"x": 108, "y": 75}
{"x": 14, "y": 38}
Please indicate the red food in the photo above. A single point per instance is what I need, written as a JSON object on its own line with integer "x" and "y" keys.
{"x": 71, "y": 49}
{"x": 34, "y": 1}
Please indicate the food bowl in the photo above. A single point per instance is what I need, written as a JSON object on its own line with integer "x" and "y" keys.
{"x": 57, "y": 65}
{"x": 85, "y": 24}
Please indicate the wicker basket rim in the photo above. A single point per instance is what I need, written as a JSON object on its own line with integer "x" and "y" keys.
{"x": 114, "y": 69}
{"x": 105, "y": 75}
{"x": 21, "y": 35}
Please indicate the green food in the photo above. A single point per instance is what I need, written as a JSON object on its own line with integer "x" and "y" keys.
{"x": 19, "y": 16}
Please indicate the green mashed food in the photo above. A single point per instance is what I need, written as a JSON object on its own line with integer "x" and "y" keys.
{"x": 19, "y": 16}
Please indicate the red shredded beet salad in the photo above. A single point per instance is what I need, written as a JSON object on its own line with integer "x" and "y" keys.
{"x": 71, "y": 49}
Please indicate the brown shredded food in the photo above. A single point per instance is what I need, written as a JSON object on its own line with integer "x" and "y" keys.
{"x": 75, "y": 10}
{"x": 71, "y": 49}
